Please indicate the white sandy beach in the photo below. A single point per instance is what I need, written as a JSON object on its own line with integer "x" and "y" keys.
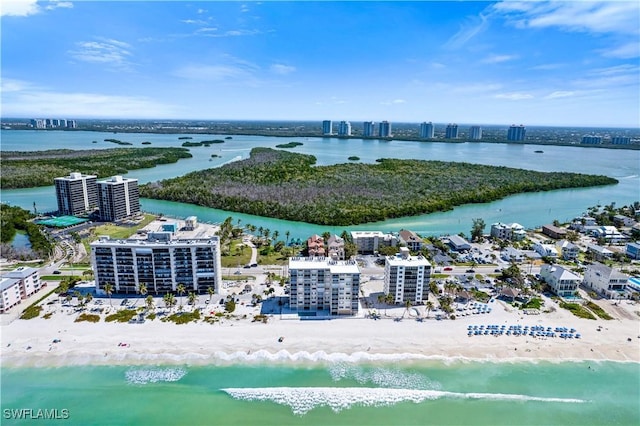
{"x": 30, "y": 343}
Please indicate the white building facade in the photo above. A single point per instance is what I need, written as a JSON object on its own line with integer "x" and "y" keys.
{"x": 407, "y": 277}
{"x": 18, "y": 285}
{"x": 76, "y": 194}
{"x": 563, "y": 282}
{"x": 323, "y": 286}
{"x": 605, "y": 281}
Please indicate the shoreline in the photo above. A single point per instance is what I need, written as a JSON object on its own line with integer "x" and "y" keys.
{"x": 356, "y": 340}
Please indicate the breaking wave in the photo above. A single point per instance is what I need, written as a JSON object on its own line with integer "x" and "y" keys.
{"x": 143, "y": 376}
{"x": 384, "y": 377}
{"x": 302, "y": 400}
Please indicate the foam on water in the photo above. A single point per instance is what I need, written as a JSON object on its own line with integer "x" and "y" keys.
{"x": 383, "y": 377}
{"x": 143, "y": 376}
{"x": 302, "y": 400}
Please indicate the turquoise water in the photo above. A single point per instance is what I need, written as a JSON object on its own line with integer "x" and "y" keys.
{"x": 530, "y": 210}
{"x": 406, "y": 393}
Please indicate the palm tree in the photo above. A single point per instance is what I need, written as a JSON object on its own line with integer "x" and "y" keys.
{"x": 407, "y": 305}
{"x": 142, "y": 290}
{"x": 108, "y": 289}
{"x": 429, "y": 306}
{"x": 169, "y": 300}
{"x": 287, "y": 234}
{"x": 276, "y": 234}
{"x": 180, "y": 289}
{"x": 78, "y": 296}
{"x": 88, "y": 298}
{"x": 192, "y": 298}
{"x": 210, "y": 291}
{"x": 149, "y": 302}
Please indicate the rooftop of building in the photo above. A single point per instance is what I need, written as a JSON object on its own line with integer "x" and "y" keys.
{"x": 606, "y": 271}
{"x": 6, "y": 283}
{"x": 334, "y": 266}
{"x": 364, "y": 234}
{"x": 561, "y": 273}
{"x": 20, "y": 272}
{"x": 115, "y": 180}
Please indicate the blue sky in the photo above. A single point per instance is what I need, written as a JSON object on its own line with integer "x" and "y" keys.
{"x": 536, "y": 63}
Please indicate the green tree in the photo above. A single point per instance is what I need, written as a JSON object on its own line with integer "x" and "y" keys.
{"x": 181, "y": 290}
{"x": 108, "y": 289}
{"x": 149, "y": 302}
{"x": 211, "y": 292}
{"x": 429, "y": 306}
{"x": 192, "y": 298}
{"x": 477, "y": 229}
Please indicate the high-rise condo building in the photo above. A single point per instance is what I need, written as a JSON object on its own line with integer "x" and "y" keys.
{"x": 368, "y": 129}
{"x": 327, "y": 127}
{"x": 344, "y": 128}
{"x": 324, "y": 286}
{"x": 384, "y": 129}
{"x": 118, "y": 198}
{"x": 592, "y": 139}
{"x": 161, "y": 263}
{"x": 516, "y": 133}
{"x": 407, "y": 277}
{"x": 426, "y": 130}
{"x": 451, "y": 132}
{"x": 76, "y": 194}
{"x": 475, "y": 133}
{"x": 620, "y": 140}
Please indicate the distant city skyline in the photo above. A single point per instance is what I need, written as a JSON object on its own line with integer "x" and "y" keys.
{"x": 537, "y": 63}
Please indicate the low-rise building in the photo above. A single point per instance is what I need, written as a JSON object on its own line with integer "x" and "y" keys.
{"x": 567, "y": 250}
{"x": 335, "y": 248}
{"x": 608, "y": 233}
{"x": 18, "y": 285}
{"x": 599, "y": 253}
{"x": 324, "y": 286}
{"x": 457, "y": 243}
{"x": 407, "y": 277}
{"x": 508, "y": 231}
{"x": 605, "y": 281}
{"x": 545, "y": 250}
{"x": 633, "y": 251}
{"x": 511, "y": 254}
{"x": 562, "y": 281}
{"x": 411, "y": 240}
{"x": 554, "y": 231}
{"x": 315, "y": 246}
{"x": 368, "y": 242}
{"x": 623, "y": 221}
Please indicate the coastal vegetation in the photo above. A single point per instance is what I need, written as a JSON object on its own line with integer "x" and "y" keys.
{"x": 577, "y": 310}
{"x": 354, "y": 158}
{"x": 28, "y": 169}
{"x": 286, "y": 185}
{"x": 202, "y": 143}
{"x": 598, "y": 310}
{"x": 118, "y": 142}
{"x": 289, "y": 145}
{"x": 13, "y": 219}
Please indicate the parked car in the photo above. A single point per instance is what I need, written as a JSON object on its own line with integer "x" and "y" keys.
{"x": 470, "y": 271}
{"x": 448, "y": 268}
{"x": 57, "y": 272}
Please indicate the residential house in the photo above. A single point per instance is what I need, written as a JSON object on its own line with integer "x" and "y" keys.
{"x": 411, "y": 240}
{"x": 623, "y": 221}
{"x": 508, "y": 231}
{"x": 335, "y": 248}
{"x": 554, "y": 231}
{"x": 562, "y": 281}
{"x": 599, "y": 253}
{"x": 545, "y": 250}
{"x": 579, "y": 223}
{"x": 608, "y": 233}
{"x": 633, "y": 251}
{"x": 567, "y": 250}
{"x": 315, "y": 246}
{"x": 511, "y": 254}
{"x": 605, "y": 281}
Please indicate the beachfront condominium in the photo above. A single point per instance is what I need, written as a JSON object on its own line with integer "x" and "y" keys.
{"x": 118, "y": 198}
{"x": 384, "y": 129}
{"x": 561, "y": 281}
{"x": 475, "y": 133}
{"x": 17, "y": 285}
{"x": 344, "y": 128}
{"x": 451, "y": 131}
{"x": 327, "y": 127}
{"x": 324, "y": 286}
{"x": 161, "y": 263}
{"x": 368, "y": 242}
{"x": 427, "y": 130}
{"x": 516, "y": 133}
{"x": 368, "y": 129}
{"x": 76, "y": 194}
{"x": 406, "y": 277}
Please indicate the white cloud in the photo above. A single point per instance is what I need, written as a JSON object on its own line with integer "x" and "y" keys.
{"x": 244, "y": 8}
{"x": 496, "y": 59}
{"x": 473, "y": 26}
{"x": 19, "y": 7}
{"x": 585, "y": 16}
{"x": 560, "y": 94}
{"x": 513, "y": 96}
{"x": 212, "y": 72}
{"x": 547, "y": 67}
{"x": 625, "y": 51}
{"x": 281, "y": 69}
{"x": 112, "y": 52}
{"x": 55, "y": 4}
{"x": 193, "y": 21}
{"x": 393, "y": 102}
{"x": 8, "y": 85}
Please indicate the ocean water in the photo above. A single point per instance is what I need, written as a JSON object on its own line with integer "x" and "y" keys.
{"x": 399, "y": 393}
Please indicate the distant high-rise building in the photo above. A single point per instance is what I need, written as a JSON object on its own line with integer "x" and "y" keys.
{"x": 426, "y": 130}
{"x": 344, "y": 128}
{"x": 451, "y": 132}
{"x": 48, "y": 122}
{"x": 76, "y": 194}
{"x": 621, "y": 140}
{"x": 71, "y": 124}
{"x": 37, "y": 123}
{"x": 368, "y": 129}
{"x": 384, "y": 129}
{"x": 118, "y": 198}
{"x": 592, "y": 139}
{"x": 327, "y": 127}
{"x": 516, "y": 133}
{"x": 475, "y": 133}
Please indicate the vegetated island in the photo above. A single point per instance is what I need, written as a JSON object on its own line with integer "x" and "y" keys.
{"x": 202, "y": 143}
{"x": 146, "y": 143}
{"x": 289, "y": 145}
{"x": 117, "y": 141}
{"x": 354, "y": 158}
{"x": 286, "y": 185}
{"x": 27, "y": 169}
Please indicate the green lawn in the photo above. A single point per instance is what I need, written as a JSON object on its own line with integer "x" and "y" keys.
{"x": 240, "y": 255}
